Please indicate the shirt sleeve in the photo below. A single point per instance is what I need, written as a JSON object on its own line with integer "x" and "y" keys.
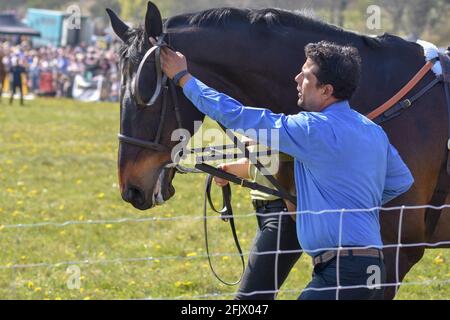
{"x": 293, "y": 130}
{"x": 398, "y": 177}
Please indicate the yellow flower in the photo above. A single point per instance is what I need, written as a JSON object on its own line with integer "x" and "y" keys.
{"x": 438, "y": 260}
{"x": 101, "y": 195}
{"x": 184, "y": 284}
{"x": 191, "y": 254}
{"x": 79, "y": 181}
{"x": 58, "y": 298}
{"x": 63, "y": 232}
{"x": 37, "y": 289}
{"x": 225, "y": 258}
{"x": 61, "y": 207}
{"x": 108, "y": 226}
{"x": 30, "y": 284}
{"x": 87, "y": 298}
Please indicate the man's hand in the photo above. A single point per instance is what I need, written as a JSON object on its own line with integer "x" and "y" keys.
{"x": 173, "y": 63}
{"x": 219, "y": 181}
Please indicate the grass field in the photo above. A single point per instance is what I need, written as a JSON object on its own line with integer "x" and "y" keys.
{"x": 58, "y": 163}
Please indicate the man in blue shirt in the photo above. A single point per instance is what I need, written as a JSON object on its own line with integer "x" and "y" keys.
{"x": 342, "y": 161}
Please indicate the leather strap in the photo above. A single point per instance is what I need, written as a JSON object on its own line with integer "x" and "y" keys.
{"x": 329, "y": 255}
{"x": 407, "y": 88}
{"x": 176, "y": 78}
{"x": 226, "y": 214}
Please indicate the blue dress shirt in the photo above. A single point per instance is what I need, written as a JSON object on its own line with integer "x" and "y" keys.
{"x": 342, "y": 161}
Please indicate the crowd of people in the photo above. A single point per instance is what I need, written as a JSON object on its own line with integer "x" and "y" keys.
{"x": 51, "y": 71}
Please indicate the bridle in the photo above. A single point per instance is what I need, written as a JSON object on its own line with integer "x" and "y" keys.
{"x": 164, "y": 86}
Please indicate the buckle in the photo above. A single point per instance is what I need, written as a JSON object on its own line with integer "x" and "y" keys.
{"x": 448, "y": 144}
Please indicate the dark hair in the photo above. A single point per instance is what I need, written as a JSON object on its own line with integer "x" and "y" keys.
{"x": 339, "y": 66}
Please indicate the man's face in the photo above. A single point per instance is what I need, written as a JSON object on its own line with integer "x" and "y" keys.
{"x": 310, "y": 95}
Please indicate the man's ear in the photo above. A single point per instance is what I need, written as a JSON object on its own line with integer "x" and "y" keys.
{"x": 328, "y": 90}
{"x": 119, "y": 27}
{"x": 153, "y": 21}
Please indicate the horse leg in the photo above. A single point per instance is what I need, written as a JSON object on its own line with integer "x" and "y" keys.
{"x": 399, "y": 261}
{"x": 396, "y": 270}
{"x": 441, "y": 232}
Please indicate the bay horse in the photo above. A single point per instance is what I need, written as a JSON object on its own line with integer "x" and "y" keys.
{"x": 253, "y": 56}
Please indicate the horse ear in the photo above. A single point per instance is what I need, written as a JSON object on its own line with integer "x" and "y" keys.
{"x": 153, "y": 21}
{"x": 119, "y": 27}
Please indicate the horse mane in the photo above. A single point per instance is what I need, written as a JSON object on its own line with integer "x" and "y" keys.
{"x": 135, "y": 46}
{"x": 268, "y": 18}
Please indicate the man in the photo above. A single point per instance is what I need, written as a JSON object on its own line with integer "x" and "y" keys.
{"x": 342, "y": 160}
{"x": 16, "y": 71}
{"x": 258, "y": 280}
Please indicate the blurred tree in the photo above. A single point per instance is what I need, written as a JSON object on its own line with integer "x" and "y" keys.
{"x": 134, "y": 10}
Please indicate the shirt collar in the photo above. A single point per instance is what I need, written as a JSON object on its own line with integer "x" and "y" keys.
{"x": 339, "y": 105}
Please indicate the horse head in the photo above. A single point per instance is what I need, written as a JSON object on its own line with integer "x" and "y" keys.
{"x": 143, "y": 177}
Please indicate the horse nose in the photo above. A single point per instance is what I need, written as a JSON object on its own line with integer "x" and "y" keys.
{"x": 134, "y": 195}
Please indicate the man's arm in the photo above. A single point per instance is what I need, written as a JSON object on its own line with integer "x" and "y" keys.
{"x": 292, "y": 130}
{"x": 398, "y": 177}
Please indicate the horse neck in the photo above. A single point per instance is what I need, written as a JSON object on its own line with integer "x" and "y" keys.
{"x": 249, "y": 71}
{"x": 260, "y": 71}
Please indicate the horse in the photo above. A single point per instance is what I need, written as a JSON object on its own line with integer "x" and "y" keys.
{"x": 253, "y": 56}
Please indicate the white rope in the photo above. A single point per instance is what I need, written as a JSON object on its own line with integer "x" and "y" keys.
{"x": 199, "y": 217}
{"x": 338, "y": 258}
{"x": 218, "y": 295}
{"x": 275, "y": 273}
{"x": 201, "y": 256}
{"x": 398, "y": 245}
{"x": 397, "y": 253}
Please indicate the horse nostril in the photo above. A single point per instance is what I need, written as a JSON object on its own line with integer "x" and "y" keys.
{"x": 135, "y": 195}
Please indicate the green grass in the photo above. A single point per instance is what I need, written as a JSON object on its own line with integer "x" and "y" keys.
{"x": 58, "y": 163}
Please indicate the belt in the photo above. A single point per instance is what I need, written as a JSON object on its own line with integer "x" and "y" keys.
{"x": 329, "y": 255}
{"x": 278, "y": 203}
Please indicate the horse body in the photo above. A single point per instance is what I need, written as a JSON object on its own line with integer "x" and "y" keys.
{"x": 255, "y": 61}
